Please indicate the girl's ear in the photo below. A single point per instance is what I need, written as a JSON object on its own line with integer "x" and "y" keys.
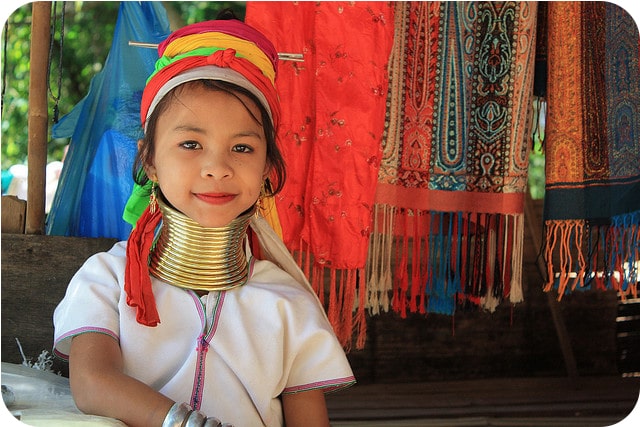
{"x": 151, "y": 173}
{"x": 267, "y": 171}
{"x": 149, "y": 169}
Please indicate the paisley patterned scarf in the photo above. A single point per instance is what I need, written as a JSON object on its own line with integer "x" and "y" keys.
{"x": 450, "y": 197}
{"x": 592, "y": 145}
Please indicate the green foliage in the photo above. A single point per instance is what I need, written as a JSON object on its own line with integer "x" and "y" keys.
{"x": 536, "y": 174}
{"x": 86, "y": 40}
{"x": 196, "y": 11}
{"x": 536, "y": 157}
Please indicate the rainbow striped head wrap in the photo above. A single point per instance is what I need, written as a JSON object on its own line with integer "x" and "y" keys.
{"x": 225, "y": 50}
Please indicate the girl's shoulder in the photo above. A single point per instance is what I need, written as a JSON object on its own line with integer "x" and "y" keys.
{"x": 267, "y": 272}
{"x": 275, "y": 284}
{"x": 119, "y": 249}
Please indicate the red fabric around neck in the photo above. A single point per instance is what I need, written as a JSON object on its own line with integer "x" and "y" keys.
{"x": 137, "y": 281}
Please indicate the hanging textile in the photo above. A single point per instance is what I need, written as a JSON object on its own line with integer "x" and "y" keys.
{"x": 450, "y": 198}
{"x": 333, "y": 106}
{"x": 104, "y": 128}
{"x": 592, "y": 201}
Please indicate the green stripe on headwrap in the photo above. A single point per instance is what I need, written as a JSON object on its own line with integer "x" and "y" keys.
{"x": 202, "y": 51}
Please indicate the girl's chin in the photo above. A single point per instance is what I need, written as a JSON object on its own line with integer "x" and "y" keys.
{"x": 218, "y": 221}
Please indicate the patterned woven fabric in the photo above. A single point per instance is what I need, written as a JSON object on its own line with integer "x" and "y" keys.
{"x": 592, "y": 204}
{"x": 333, "y": 107}
{"x": 450, "y": 197}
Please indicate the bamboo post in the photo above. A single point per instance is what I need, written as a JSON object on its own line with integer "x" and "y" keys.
{"x": 38, "y": 121}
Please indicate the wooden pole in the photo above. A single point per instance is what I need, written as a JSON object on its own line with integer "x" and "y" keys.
{"x": 38, "y": 121}
{"x": 564, "y": 340}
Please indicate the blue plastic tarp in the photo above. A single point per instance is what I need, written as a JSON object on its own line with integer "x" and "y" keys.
{"x": 104, "y": 128}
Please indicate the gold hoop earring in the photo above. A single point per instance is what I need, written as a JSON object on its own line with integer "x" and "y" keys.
{"x": 263, "y": 193}
{"x": 153, "y": 200}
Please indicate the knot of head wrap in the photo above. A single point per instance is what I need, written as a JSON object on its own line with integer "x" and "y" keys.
{"x": 222, "y": 58}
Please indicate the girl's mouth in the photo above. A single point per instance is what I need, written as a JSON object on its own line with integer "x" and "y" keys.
{"x": 216, "y": 198}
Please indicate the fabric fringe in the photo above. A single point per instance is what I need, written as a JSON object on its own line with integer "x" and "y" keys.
{"x": 421, "y": 262}
{"x": 517, "y": 261}
{"x": 379, "y": 283}
{"x": 342, "y": 293}
{"x": 580, "y": 255}
{"x": 430, "y": 261}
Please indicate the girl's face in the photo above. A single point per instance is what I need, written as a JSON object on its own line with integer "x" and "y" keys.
{"x": 210, "y": 155}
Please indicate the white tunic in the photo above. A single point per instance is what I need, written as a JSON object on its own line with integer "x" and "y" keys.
{"x": 230, "y": 354}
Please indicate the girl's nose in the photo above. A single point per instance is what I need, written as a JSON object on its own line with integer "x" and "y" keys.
{"x": 217, "y": 167}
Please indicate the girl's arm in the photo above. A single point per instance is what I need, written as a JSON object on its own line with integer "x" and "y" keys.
{"x": 305, "y": 409}
{"x": 100, "y": 387}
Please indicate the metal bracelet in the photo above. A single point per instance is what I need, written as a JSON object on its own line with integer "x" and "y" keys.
{"x": 212, "y": 422}
{"x": 196, "y": 419}
{"x": 177, "y": 415}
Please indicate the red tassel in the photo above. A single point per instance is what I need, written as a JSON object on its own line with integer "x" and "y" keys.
{"x": 507, "y": 225}
{"x": 402, "y": 281}
{"x": 333, "y": 310}
{"x": 416, "y": 280}
{"x": 427, "y": 270}
{"x": 349, "y": 282}
{"x": 342, "y": 294}
{"x": 317, "y": 281}
{"x": 465, "y": 235}
{"x": 487, "y": 261}
{"x": 137, "y": 282}
{"x": 360, "y": 321}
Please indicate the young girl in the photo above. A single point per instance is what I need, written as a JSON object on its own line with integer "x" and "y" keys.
{"x": 183, "y": 324}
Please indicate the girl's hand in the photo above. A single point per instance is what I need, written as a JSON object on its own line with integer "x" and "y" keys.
{"x": 100, "y": 387}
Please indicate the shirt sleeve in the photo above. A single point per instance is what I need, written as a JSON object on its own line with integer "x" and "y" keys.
{"x": 92, "y": 299}
{"x": 317, "y": 360}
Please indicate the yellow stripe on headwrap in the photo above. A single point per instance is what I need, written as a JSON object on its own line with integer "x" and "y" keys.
{"x": 243, "y": 48}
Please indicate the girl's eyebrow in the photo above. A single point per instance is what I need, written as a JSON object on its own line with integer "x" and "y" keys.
{"x": 188, "y": 128}
{"x": 249, "y": 133}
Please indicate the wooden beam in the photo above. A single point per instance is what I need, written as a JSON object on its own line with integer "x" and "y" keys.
{"x": 38, "y": 121}
{"x": 13, "y": 214}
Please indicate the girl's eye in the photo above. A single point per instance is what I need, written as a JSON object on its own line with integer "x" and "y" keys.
{"x": 190, "y": 145}
{"x": 241, "y": 148}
